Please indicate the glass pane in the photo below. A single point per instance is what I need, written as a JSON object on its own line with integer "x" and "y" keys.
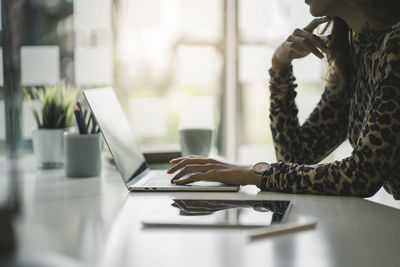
{"x": 253, "y": 18}
{"x": 197, "y": 64}
{"x": 148, "y": 116}
{"x": 197, "y": 112}
{"x": 343, "y": 151}
{"x": 1, "y": 66}
{"x": 271, "y": 19}
{"x": 201, "y": 19}
{"x": 308, "y": 69}
{"x": 2, "y": 121}
{"x": 48, "y": 34}
{"x": 167, "y": 62}
{"x": 93, "y": 66}
{"x": 28, "y": 120}
{"x": 254, "y": 63}
{"x": 249, "y": 154}
{"x": 92, "y": 15}
{"x": 2, "y": 107}
{"x": 47, "y": 57}
{"x": 255, "y": 129}
{"x": 145, "y": 14}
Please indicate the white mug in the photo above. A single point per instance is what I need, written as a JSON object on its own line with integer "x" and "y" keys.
{"x": 195, "y": 141}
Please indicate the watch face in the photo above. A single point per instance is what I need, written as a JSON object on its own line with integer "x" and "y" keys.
{"x": 261, "y": 167}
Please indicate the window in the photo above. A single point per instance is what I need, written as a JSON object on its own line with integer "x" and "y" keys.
{"x": 175, "y": 58}
{"x": 183, "y": 63}
{"x": 170, "y": 65}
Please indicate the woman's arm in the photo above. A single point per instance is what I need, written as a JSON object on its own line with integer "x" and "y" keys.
{"x": 376, "y": 156}
{"x": 326, "y": 127}
{"x": 373, "y": 160}
{"x": 321, "y": 133}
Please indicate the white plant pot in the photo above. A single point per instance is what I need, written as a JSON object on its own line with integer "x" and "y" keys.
{"x": 48, "y": 146}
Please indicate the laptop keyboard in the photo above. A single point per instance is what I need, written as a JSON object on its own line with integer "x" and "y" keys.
{"x": 161, "y": 179}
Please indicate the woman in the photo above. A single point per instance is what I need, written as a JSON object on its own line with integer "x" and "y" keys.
{"x": 361, "y": 102}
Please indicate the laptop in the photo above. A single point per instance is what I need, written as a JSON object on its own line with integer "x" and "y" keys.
{"x": 125, "y": 150}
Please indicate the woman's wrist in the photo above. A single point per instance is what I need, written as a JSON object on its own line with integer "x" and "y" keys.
{"x": 256, "y": 180}
{"x": 279, "y": 65}
{"x": 261, "y": 173}
{"x": 251, "y": 178}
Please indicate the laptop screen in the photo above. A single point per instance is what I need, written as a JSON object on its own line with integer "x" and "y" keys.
{"x": 117, "y": 132}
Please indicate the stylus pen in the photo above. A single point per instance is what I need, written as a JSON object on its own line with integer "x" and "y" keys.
{"x": 280, "y": 229}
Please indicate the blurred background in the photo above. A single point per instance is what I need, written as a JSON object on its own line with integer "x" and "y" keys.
{"x": 173, "y": 63}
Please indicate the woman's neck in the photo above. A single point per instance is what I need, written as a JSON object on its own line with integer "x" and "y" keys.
{"x": 358, "y": 20}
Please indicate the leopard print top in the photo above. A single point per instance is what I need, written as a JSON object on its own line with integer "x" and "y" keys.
{"x": 367, "y": 112}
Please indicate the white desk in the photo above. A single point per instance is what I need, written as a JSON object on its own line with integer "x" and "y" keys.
{"x": 96, "y": 222}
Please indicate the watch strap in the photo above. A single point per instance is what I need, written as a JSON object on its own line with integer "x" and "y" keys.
{"x": 264, "y": 179}
{"x": 263, "y": 185}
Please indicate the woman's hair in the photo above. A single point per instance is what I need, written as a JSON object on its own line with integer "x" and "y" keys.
{"x": 384, "y": 12}
{"x": 340, "y": 56}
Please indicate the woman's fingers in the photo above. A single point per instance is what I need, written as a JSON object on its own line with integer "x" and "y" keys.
{"x": 177, "y": 160}
{"x": 195, "y": 168}
{"x": 182, "y": 162}
{"x": 320, "y": 43}
{"x": 293, "y": 50}
{"x": 204, "y": 176}
{"x": 300, "y": 43}
{"x": 297, "y": 50}
{"x": 310, "y": 41}
{"x": 223, "y": 173}
{"x": 300, "y": 36}
{"x": 303, "y": 48}
{"x": 308, "y": 45}
{"x": 315, "y": 23}
{"x": 317, "y": 41}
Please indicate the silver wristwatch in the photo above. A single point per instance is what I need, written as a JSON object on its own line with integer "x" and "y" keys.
{"x": 259, "y": 169}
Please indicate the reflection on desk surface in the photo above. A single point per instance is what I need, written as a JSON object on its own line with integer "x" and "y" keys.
{"x": 226, "y": 213}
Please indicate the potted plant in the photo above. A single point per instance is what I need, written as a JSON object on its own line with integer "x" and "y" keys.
{"x": 53, "y": 118}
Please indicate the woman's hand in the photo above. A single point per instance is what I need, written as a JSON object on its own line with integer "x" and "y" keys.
{"x": 301, "y": 43}
{"x": 207, "y": 169}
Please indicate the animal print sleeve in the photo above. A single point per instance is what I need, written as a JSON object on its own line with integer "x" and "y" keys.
{"x": 374, "y": 158}
{"x": 320, "y": 134}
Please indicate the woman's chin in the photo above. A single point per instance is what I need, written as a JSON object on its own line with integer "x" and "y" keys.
{"x": 316, "y": 12}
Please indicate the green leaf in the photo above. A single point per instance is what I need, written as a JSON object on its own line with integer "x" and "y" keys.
{"x": 61, "y": 121}
{"x": 36, "y": 115}
{"x": 57, "y": 103}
